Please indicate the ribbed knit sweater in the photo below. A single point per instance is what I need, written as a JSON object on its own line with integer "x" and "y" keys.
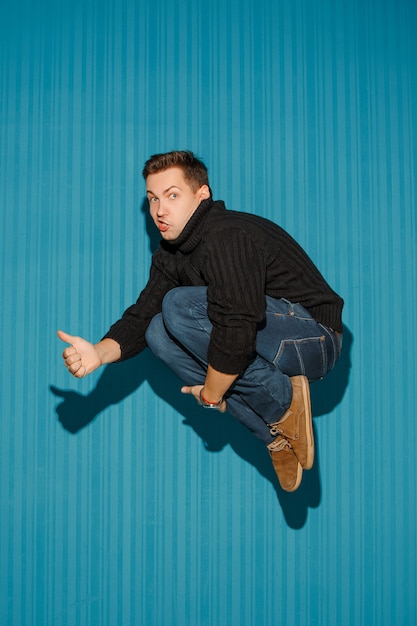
{"x": 240, "y": 257}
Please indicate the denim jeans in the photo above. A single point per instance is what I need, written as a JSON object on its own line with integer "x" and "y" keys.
{"x": 289, "y": 343}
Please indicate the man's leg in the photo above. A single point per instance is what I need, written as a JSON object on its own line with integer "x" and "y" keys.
{"x": 290, "y": 344}
{"x": 185, "y": 317}
{"x": 192, "y": 372}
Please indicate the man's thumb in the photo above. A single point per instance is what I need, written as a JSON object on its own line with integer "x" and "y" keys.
{"x": 65, "y": 336}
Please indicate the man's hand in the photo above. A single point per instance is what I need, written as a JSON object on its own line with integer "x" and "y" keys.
{"x": 195, "y": 391}
{"x": 82, "y": 357}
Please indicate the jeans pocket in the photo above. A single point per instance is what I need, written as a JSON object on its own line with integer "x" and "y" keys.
{"x": 303, "y": 357}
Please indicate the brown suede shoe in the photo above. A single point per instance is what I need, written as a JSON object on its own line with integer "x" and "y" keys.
{"x": 296, "y": 424}
{"x": 286, "y": 465}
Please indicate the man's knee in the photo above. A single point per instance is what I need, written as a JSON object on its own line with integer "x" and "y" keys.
{"x": 172, "y": 311}
{"x": 171, "y": 300}
{"x": 178, "y": 304}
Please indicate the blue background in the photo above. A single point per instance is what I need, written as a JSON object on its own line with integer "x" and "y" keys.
{"x": 121, "y": 503}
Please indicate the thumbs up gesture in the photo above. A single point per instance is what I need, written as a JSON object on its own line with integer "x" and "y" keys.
{"x": 81, "y": 357}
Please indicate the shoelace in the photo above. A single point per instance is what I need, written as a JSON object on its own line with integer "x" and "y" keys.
{"x": 279, "y": 445}
{"x": 274, "y": 430}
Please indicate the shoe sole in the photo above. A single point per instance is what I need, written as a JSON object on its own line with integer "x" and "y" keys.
{"x": 298, "y": 481}
{"x": 309, "y": 424}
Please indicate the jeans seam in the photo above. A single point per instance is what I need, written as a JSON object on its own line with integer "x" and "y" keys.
{"x": 335, "y": 343}
{"x": 294, "y": 316}
{"x": 198, "y": 318}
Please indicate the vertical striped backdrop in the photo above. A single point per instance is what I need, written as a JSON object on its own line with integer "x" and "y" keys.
{"x": 121, "y": 504}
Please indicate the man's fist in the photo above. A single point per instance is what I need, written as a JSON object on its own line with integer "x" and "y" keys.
{"x": 82, "y": 357}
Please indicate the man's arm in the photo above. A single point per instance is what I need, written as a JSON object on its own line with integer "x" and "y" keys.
{"x": 216, "y": 384}
{"x": 83, "y": 357}
{"x": 129, "y": 331}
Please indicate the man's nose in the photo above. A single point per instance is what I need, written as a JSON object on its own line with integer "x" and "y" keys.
{"x": 161, "y": 208}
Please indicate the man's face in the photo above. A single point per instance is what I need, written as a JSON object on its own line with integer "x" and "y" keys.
{"x": 172, "y": 201}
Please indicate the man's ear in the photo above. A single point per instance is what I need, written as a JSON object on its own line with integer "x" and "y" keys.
{"x": 204, "y": 192}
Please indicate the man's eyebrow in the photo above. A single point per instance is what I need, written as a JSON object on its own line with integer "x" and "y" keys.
{"x": 165, "y": 190}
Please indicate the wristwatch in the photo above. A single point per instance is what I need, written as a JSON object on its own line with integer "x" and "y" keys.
{"x": 209, "y": 405}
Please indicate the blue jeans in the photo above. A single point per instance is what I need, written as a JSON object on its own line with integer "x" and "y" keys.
{"x": 289, "y": 343}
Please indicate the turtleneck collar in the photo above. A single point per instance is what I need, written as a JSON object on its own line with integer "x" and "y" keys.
{"x": 191, "y": 233}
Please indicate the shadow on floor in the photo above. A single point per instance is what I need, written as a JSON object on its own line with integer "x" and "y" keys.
{"x": 120, "y": 380}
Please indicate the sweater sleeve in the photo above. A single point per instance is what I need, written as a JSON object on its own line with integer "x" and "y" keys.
{"x": 129, "y": 330}
{"x": 235, "y": 274}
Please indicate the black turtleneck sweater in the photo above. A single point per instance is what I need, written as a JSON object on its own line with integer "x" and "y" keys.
{"x": 240, "y": 257}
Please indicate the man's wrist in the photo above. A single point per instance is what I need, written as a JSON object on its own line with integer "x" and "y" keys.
{"x": 108, "y": 351}
{"x": 207, "y": 404}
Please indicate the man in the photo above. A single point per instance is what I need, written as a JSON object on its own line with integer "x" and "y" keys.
{"x": 234, "y": 307}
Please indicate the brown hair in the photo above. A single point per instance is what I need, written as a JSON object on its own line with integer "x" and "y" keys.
{"x": 194, "y": 170}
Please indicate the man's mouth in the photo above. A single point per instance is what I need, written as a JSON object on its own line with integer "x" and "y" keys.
{"x": 162, "y": 227}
